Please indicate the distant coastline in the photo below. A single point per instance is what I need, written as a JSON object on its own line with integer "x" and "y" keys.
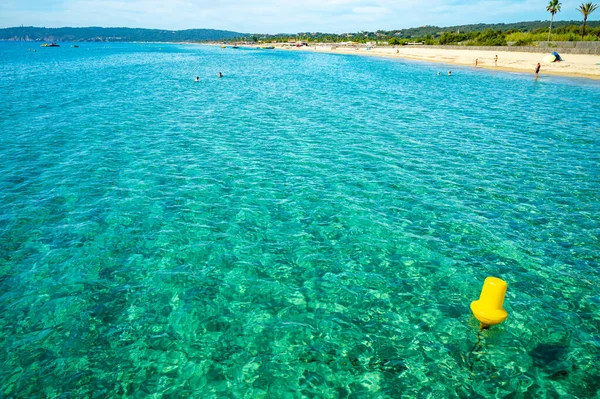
{"x": 97, "y": 34}
{"x": 429, "y": 34}
{"x": 584, "y": 62}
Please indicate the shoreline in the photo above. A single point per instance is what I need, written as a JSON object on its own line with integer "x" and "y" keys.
{"x": 574, "y": 65}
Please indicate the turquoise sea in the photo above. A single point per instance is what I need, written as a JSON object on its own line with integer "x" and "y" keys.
{"x": 307, "y": 226}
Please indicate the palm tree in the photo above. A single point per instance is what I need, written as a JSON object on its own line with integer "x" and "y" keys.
{"x": 586, "y": 9}
{"x": 552, "y": 8}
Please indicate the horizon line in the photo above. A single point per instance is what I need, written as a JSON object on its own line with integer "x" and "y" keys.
{"x": 284, "y": 33}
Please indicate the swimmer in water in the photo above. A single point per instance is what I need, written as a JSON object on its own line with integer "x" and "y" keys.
{"x": 220, "y": 75}
{"x": 197, "y": 79}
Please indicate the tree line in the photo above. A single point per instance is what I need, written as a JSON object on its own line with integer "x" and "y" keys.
{"x": 97, "y": 34}
{"x": 520, "y": 33}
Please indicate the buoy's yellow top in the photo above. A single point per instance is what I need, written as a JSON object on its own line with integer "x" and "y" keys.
{"x": 488, "y": 309}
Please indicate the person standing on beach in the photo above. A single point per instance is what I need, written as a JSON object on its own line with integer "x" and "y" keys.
{"x": 537, "y": 70}
{"x": 496, "y": 60}
{"x": 476, "y": 62}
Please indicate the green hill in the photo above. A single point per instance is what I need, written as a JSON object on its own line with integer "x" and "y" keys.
{"x": 519, "y": 33}
{"x": 474, "y": 34}
{"x": 527, "y": 26}
{"x": 97, "y": 34}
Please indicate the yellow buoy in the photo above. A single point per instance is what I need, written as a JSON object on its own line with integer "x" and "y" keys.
{"x": 488, "y": 309}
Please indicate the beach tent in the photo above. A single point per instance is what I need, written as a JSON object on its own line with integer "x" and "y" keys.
{"x": 554, "y": 57}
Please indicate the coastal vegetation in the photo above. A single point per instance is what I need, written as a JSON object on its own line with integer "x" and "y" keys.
{"x": 521, "y": 34}
{"x": 515, "y": 34}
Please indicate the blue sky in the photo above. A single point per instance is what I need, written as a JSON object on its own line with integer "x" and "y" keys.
{"x": 273, "y": 16}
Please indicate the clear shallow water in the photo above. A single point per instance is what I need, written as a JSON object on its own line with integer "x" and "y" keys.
{"x": 309, "y": 225}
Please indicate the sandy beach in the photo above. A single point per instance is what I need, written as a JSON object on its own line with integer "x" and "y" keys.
{"x": 572, "y": 65}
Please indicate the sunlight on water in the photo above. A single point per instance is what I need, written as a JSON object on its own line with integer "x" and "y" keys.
{"x": 309, "y": 225}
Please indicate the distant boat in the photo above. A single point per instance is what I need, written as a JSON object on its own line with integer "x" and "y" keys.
{"x": 268, "y": 47}
{"x": 50, "y": 45}
{"x": 223, "y": 46}
{"x": 235, "y": 47}
{"x": 75, "y": 46}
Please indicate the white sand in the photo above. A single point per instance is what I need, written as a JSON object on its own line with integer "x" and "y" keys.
{"x": 573, "y": 64}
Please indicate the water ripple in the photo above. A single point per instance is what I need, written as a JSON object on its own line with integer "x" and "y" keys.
{"x": 308, "y": 225}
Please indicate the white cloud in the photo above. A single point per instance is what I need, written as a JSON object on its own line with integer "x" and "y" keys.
{"x": 272, "y": 16}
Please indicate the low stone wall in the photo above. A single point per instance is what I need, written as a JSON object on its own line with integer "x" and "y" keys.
{"x": 578, "y": 45}
{"x": 575, "y": 48}
{"x": 530, "y": 49}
